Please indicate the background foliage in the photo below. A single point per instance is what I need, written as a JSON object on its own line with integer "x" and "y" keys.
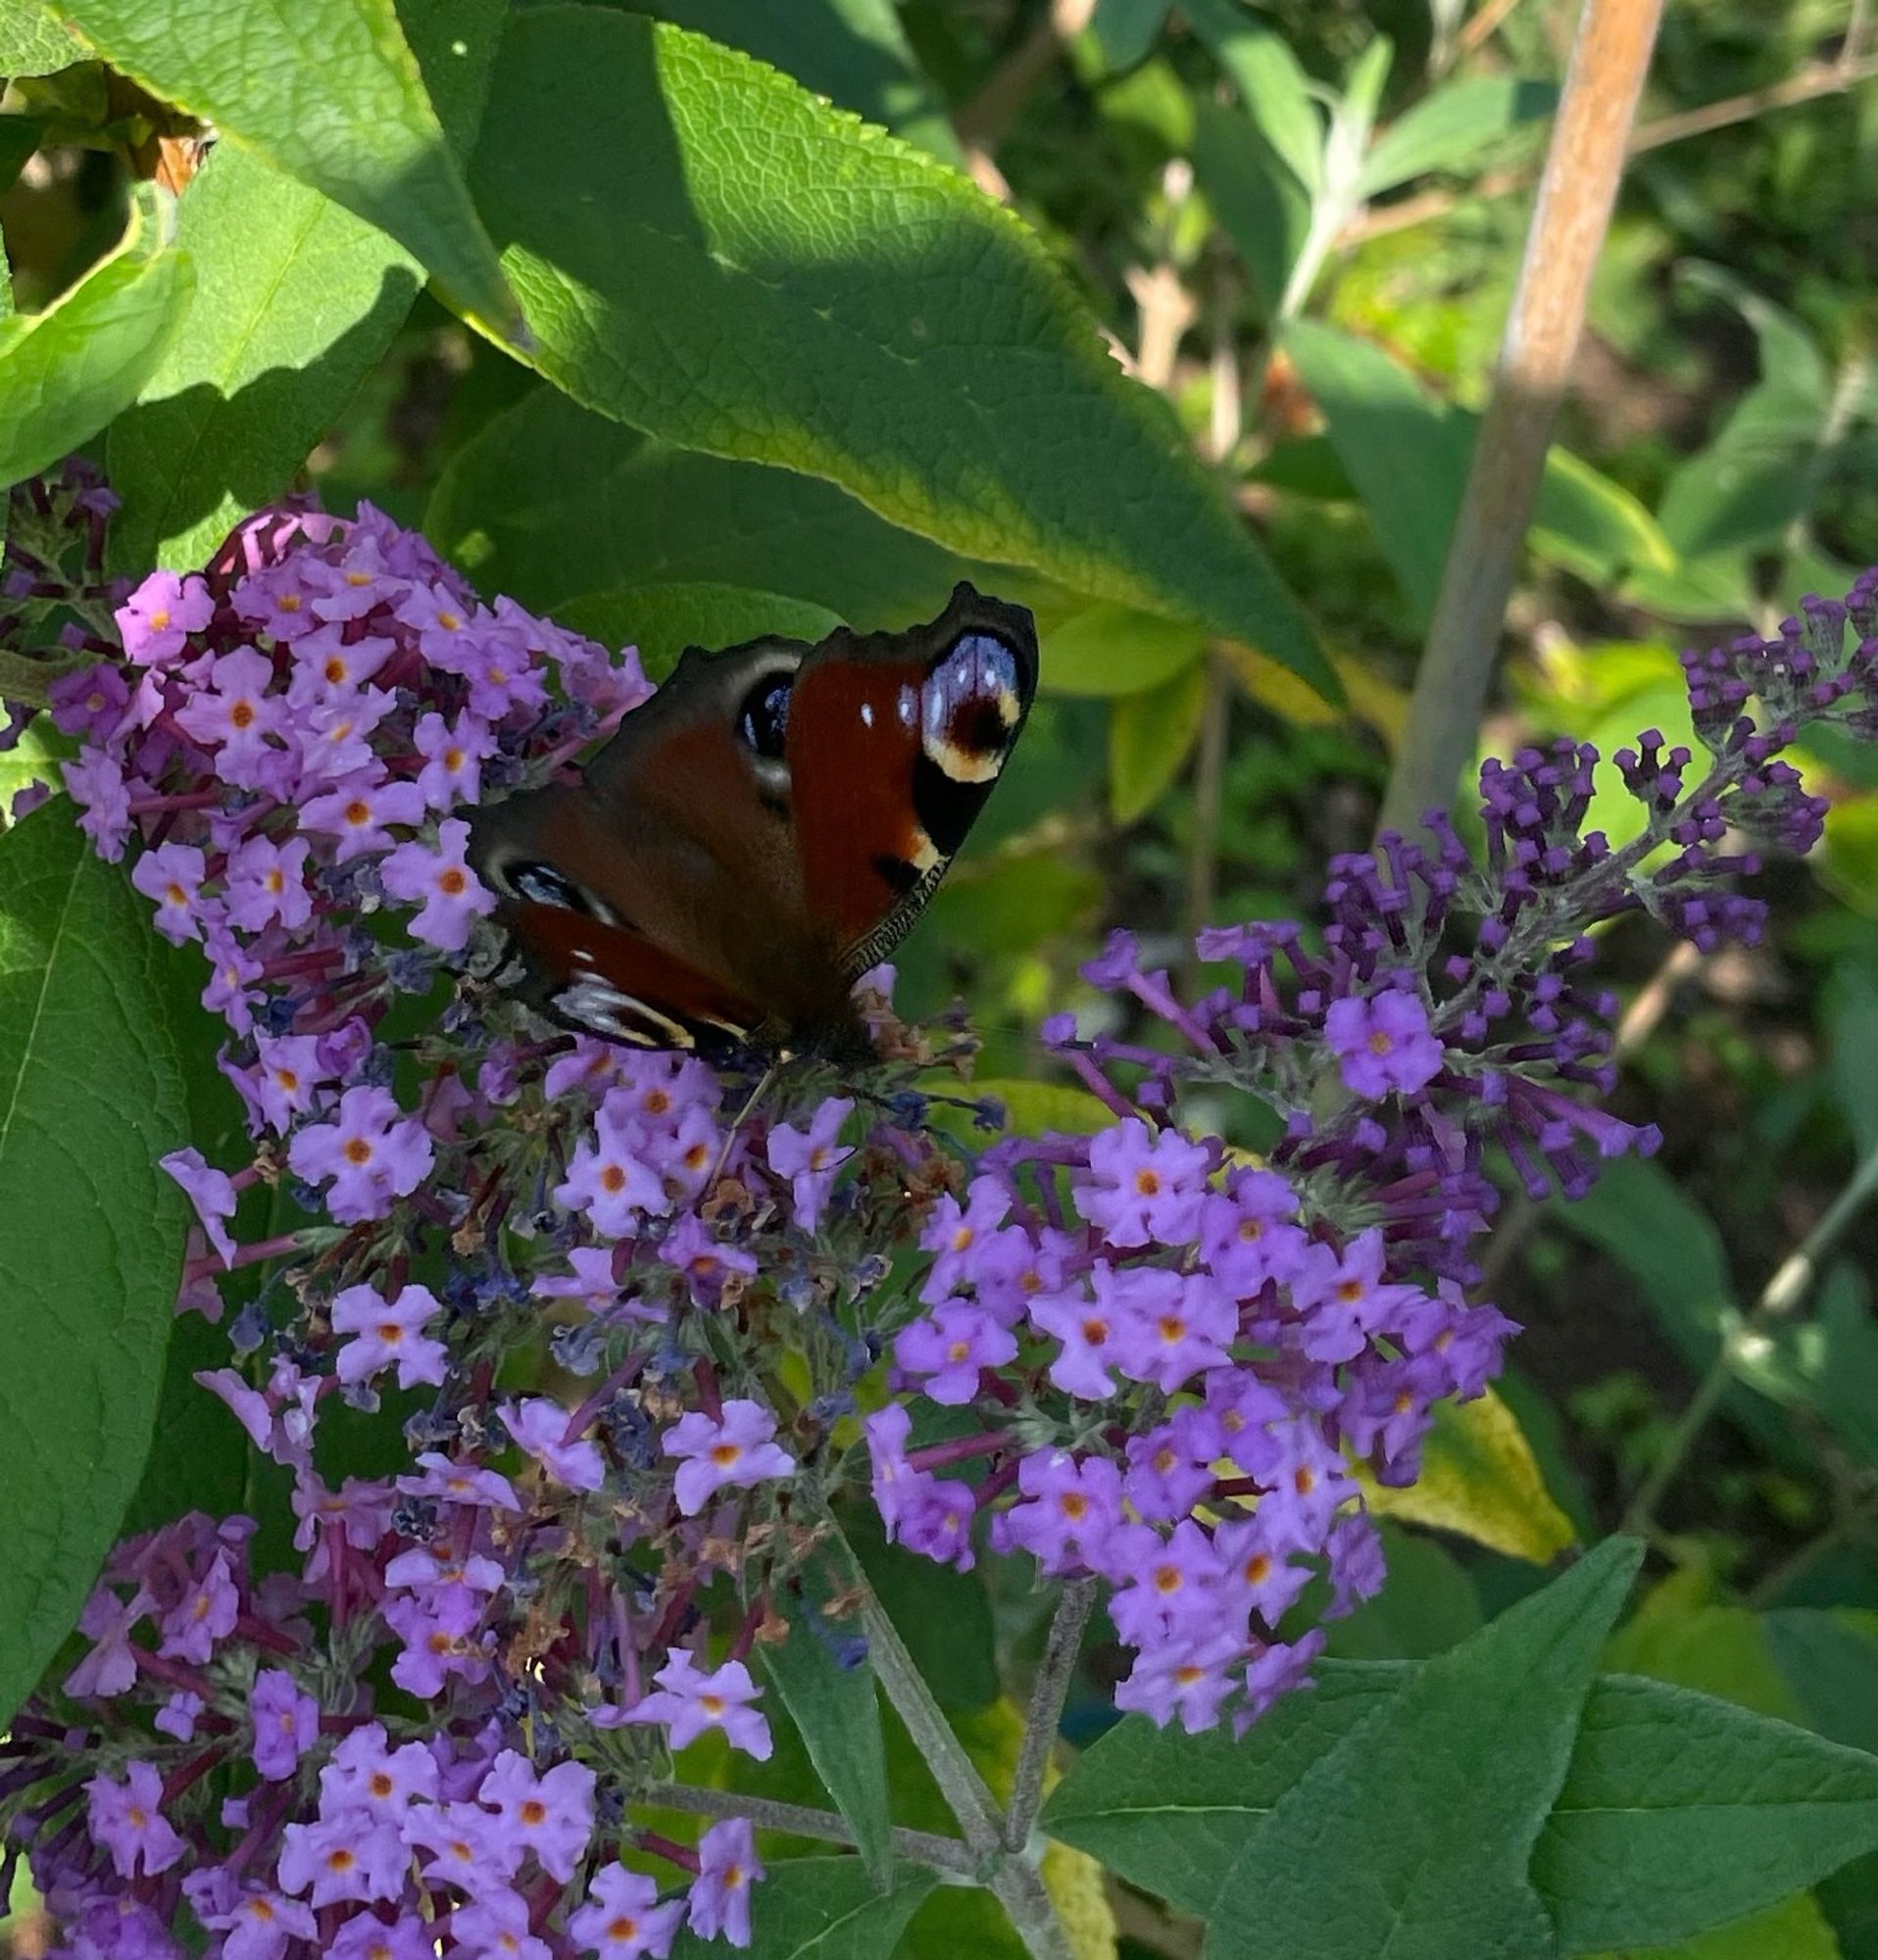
{"x": 681, "y": 344}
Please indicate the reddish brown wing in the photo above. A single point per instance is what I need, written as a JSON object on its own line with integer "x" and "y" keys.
{"x": 894, "y": 741}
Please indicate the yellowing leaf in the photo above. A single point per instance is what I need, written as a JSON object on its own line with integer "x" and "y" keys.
{"x": 1480, "y": 1479}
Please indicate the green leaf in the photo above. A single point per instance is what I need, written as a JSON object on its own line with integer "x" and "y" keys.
{"x": 662, "y": 620}
{"x": 1171, "y": 1812}
{"x": 1830, "y": 1662}
{"x": 297, "y": 299}
{"x": 822, "y": 1909}
{"x": 1276, "y": 92}
{"x": 1151, "y": 734}
{"x": 549, "y": 499}
{"x": 1794, "y": 1930}
{"x": 33, "y": 42}
{"x": 1453, "y": 128}
{"x": 329, "y": 92}
{"x": 1591, "y": 525}
{"x": 1264, "y": 209}
{"x": 942, "y": 1615}
{"x": 1408, "y": 456}
{"x": 1678, "y": 1811}
{"x": 1110, "y": 650}
{"x": 750, "y": 272}
{"x": 65, "y": 371}
{"x": 1125, "y": 30}
{"x": 855, "y": 52}
{"x": 91, "y": 1094}
{"x": 1412, "y": 1835}
{"x": 1427, "y": 1605}
{"x": 1480, "y": 1479}
{"x": 1682, "y": 1812}
{"x": 837, "y": 1713}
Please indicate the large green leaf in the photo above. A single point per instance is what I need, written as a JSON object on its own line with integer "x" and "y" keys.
{"x": 836, "y": 1710}
{"x": 822, "y": 1909}
{"x": 33, "y": 41}
{"x": 1412, "y": 1835}
{"x": 550, "y": 501}
{"x": 855, "y": 52}
{"x": 297, "y": 300}
{"x": 91, "y": 1094}
{"x": 65, "y": 371}
{"x": 662, "y": 620}
{"x": 1407, "y": 457}
{"x": 1171, "y": 1812}
{"x": 1683, "y": 1812}
{"x": 328, "y": 91}
{"x": 748, "y": 273}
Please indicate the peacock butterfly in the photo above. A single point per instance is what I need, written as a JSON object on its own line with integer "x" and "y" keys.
{"x": 759, "y": 833}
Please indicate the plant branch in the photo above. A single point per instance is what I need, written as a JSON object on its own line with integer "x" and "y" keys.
{"x": 1481, "y": 26}
{"x": 1785, "y": 1290}
{"x": 921, "y": 1848}
{"x": 1570, "y": 217}
{"x": 1805, "y": 85}
{"x": 1047, "y": 1697}
{"x": 983, "y": 120}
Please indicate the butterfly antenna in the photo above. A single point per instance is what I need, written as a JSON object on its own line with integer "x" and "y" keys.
{"x": 755, "y": 1097}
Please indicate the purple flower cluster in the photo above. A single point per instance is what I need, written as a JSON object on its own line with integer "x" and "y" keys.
{"x": 1138, "y": 1354}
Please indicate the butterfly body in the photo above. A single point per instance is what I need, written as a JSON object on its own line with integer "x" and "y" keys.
{"x": 759, "y": 833}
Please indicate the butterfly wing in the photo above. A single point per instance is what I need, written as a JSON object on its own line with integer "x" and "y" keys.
{"x": 894, "y": 741}
{"x": 759, "y": 832}
{"x": 656, "y": 899}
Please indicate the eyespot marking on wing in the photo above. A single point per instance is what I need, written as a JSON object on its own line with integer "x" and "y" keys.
{"x": 971, "y": 708}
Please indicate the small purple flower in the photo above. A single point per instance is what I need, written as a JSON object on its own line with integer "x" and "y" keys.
{"x": 1190, "y": 1678}
{"x": 738, "y": 1449}
{"x": 370, "y": 1150}
{"x": 539, "y": 1426}
{"x": 178, "y": 1715}
{"x": 608, "y": 1179}
{"x": 365, "y": 1773}
{"x": 266, "y": 884}
{"x": 111, "y": 1666}
{"x": 356, "y": 813}
{"x": 127, "y": 1819}
{"x": 234, "y": 715}
{"x": 205, "y": 1614}
{"x": 551, "y": 1814}
{"x": 172, "y": 877}
{"x": 689, "y": 1703}
{"x": 719, "y": 1898}
{"x": 622, "y": 1918}
{"x": 450, "y": 893}
{"x": 467, "y": 1848}
{"x": 1144, "y": 1188}
{"x": 494, "y": 1926}
{"x": 388, "y": 1334}
{"x": 1383, "y": 1043}
{"x": 811, "y": 1158}
{"x": 333, "y": 1859}
{"x": 949, "y": 1349}
{"x": 159, "y": 616}
{"x": 211, "y": 1193}
{"x": 454, "y": 753}
{"x": 367, "y": 1936}
{"x": 259, "y": 1925}
{"x": 287, "y": 1723}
